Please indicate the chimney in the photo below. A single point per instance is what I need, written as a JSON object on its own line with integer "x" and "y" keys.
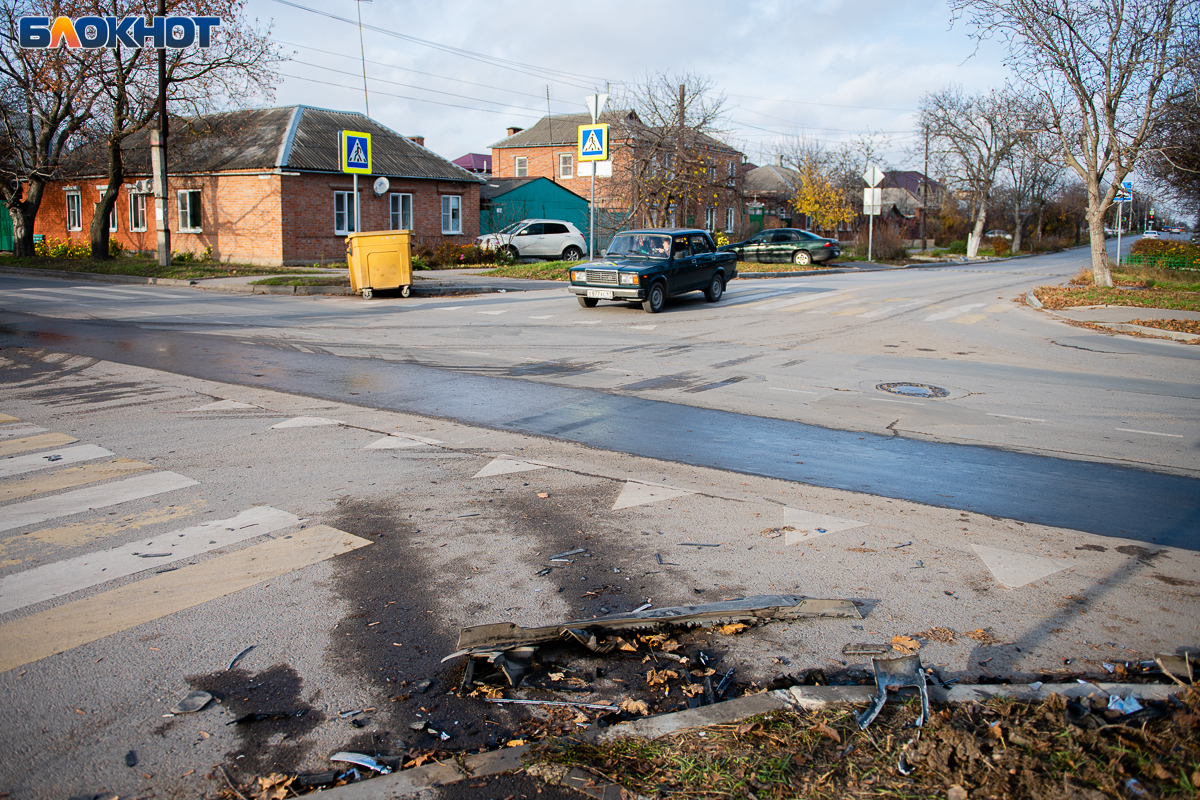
{"x": 779, "y": 160}
{"x": 418, "y": 139}
{"x": 514, "y": 131}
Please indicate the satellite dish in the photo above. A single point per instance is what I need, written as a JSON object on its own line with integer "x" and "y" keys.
{"x": 380, "y": 186}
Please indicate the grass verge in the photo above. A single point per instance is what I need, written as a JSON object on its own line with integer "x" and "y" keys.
{"x": 145, "y": 267}
{"x": 748, "y": 266}
{"x": 1140, "y": 287}
{"x": 538, "y": 270}
{"x": 1003, "y": 748}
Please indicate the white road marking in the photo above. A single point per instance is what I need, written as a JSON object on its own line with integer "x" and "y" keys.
{"x": 1151, "y": 433}
{"x": 1009, "y": 416}
{"x": 82, "y": 572}
{"x": 895, "y": 307}
{"x": 953, "y": 312}
{"x": 223, "y": 405}
{"x": 494, "y": 313}
{"x": 392, "y": 443}
{"x": 27, "y": 430}
{"x": 798, "y": 391}
{"x": 504, "y": 466}
{"x": 586, "y": 322}
{"x": 810, "y": 525}
{"x": 1014, "y": 570}
{"x": 905, "y": 402}
{"x": 71, "y": 455}
{"x": 544, "y": 316}
{"x": 637, "y": 493}
{"x": 31, "y": 512}
{"x": 794, "y": 301}
{"x": 306, "y": 422}
{"x": 643, "y": 327}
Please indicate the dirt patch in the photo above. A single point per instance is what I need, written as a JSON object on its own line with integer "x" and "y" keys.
{"x": 1178, "y": 325}
{"x": 999, "y": 749}
{"x": 1167, "y": 579}
{"x": 1140, "y": 553}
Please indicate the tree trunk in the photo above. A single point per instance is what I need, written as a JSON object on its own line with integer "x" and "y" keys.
{"x": 1041, "y": 221}
{"x": 1018, "y": 223}
{"x": 98, "y": 232}
{"x": 976, "y": 234}
{"x": 23, "y": 214}
{"x": 1101, "y": 274}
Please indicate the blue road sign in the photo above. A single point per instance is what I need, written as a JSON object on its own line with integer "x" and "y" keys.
{"x": 354, "y": 152}
{"x": 593, "y": 142}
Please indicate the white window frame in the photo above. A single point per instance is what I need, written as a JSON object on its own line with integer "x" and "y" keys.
{"x": 452, "y": 215}
{"x": 74, "y": 211}
{"x": 112, "y": 218}
{"x": 729, "y": 219}
{"x": 347, "y": 212}
{"x": 137, "y": 211}
{"x": 400, "y": 220}
{"x": 710, "y": 218}
{"x": 566, "y": 166}
{"x": 521, "y": 166}
{"x": 732, "y": 169}
{"x": 188, "y": 204}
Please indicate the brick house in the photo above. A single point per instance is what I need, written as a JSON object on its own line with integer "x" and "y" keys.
{"x": 263, "y": 186}
{"x": 638, "y": 188}
{"x": 769, "y": 192}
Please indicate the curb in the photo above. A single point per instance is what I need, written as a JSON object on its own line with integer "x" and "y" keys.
{"x": 419, "y": 780}
{"x": 93, "y": 276}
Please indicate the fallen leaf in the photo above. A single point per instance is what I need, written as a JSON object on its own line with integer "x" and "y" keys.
{"x": 733, "y": 627}
{"x": 543, "y": 494}
{"x": 825, "y": 730}
{"x": 748, "y": 727}
{"x": 514, "y": 742}
{"x": 189, "y": 772}
{"x": 983, "y": 636}
{"x": 905, "y": 644}
{"x": 692, "y": 689}
{"x": 630, "y": 706}
{"x": 582, "y": 718}
{"x": 204, "y": 735}
{"x": 943, "y": 635}
{"x": 627, "y": 646}
{"x": 1162, "y": 773}
{"x": 556, "y": 676}
{"x": 273, "y": 787}
{"x": 659, "y": 677}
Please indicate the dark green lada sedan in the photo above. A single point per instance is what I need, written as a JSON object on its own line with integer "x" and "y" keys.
{"x": 781, "y": 245}
{"x": 653, "y": 264}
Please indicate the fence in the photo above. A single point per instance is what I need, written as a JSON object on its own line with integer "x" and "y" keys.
{"x": 1189, "y": 263}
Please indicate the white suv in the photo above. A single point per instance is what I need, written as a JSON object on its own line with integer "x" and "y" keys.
{"x": 538, "y": 238}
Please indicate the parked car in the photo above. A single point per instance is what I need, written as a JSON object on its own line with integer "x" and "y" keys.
{"x": 998, "y": 235}
{"x": 653, "y": 264}
{"x": 1150, "y": 235}
{"x": 538, "y": 238}
{"x": 781, "y": 245}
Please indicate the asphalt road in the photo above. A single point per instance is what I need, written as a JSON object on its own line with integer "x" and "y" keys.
{"x": 345, "y": 483}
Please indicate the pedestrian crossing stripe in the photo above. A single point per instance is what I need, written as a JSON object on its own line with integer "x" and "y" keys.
{"x": 70, "y": 478}
{"x": 32, "y": 512}
{"x": 8, "y": 418}
{"x": 43, "y": 441}
{"x": 70, "y": 625}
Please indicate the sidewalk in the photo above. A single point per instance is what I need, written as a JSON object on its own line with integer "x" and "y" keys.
{"x": 1118, "y": 319}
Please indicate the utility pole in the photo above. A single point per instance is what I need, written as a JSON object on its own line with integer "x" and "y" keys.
{"x": 362, "y": 49}
{"x": 550, "y": 136}
{"x": 925, "y": 194}
{"x": 679, "y": 159}
{"x": 158, "y": 155}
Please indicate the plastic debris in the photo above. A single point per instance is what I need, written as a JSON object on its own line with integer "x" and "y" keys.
{"x": 642, "y": 607}
{"x": 423, "y": 686}
{"x": 192, "y": 703}
{"x": 52, "y": 458}
{"x": 131, "y": 759}
{"x": 240, "y": 656}
{"x": 573, "y": 552}
{"x": 1134, "y": 788}
{"x": 1124, "y": 705}
{"x": 698, "y": 544}
{"x": 903, "y": 544}
{"x": 362, "y": 761}
{"x": 896, "y": 673}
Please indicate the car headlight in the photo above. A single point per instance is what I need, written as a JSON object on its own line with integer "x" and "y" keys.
{"x": 579, "y": 277}
{"x": 628, "y": 279}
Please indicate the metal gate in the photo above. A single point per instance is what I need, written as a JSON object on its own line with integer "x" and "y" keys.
{"x": 6, "y": 233}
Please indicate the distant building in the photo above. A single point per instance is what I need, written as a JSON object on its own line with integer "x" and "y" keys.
{"x": 263, "y": 186}
{"x": 769, "y": 192}
{"x": 503, "y": 201}
{"x": 478, "y": 163}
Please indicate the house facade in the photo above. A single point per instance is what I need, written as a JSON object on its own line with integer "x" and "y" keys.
{"x": 264, "y": 187}
{"x": 641, "y": 184}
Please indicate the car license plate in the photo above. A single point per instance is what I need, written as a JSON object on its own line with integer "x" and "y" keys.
{"x": 600, "y": 294}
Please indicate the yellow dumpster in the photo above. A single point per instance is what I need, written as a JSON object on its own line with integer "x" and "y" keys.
{"x": 380, "y": 260}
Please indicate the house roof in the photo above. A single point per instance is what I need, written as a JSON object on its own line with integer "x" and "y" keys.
{"x": 771, "y": 180}
{"x": 909, "y": 181}
{"x": 294, "y": 138}
{"x": 497, "y": 187}
{"x": 474, "y": 162}
{"x": 563, "y": 129}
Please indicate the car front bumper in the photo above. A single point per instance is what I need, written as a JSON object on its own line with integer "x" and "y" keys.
{"x": 631, "y": 293}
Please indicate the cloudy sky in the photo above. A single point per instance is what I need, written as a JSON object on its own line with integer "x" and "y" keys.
{"x": 459, "y": 72}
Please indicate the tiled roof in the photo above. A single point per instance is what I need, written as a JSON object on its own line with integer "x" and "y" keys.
{"x": 909, "y": 181}
{"x": 563, "y": 129}
{"x": 474, "y": 162}
{"x": 495, "y": 187}
{"x": 771, "y": 180}
{"x": 293, "y": 138}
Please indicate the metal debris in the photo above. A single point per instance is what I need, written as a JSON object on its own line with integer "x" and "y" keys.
{"x": 240, "y": 656}
{"x": 896, "y": 673}
{"x": 362, "y": 761}
{"x": 496, "y": 638}
{"x": 866, "y": 649}
{"x": 697, "y": 544}
{"x": 574, "y": 552}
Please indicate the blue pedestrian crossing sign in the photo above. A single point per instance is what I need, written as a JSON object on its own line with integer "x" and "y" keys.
{"x": 354, "y": 152}
{"x": 593, "y": 142}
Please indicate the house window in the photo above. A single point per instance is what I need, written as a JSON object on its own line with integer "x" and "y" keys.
{"x": 521, "y": 166}
{"x": 671, "y": 215}
{"x": 451, "y": 214}
{"x": 343, "y": 213}
{"x": 729, "y": 219}
{"x": 402, "y": 212}
{"x": 565, "y": 166}
{"x": 137, "y": 212}
{"x": 732, "y": 168}
{"x": 74, "y": 212}
{"x": 112, "y": 218}
{"x": 189, "y": 210}
{"x": 710, "y": 218}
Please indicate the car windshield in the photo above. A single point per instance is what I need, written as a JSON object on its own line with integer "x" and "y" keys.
{"x": 643, "y": 245}
{"x": 513, "y": 228}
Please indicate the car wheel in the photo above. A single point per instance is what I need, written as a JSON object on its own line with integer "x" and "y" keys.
{"x": 656, "y": 298}
{"x": 586, "y": 302}
{"x": 802, "y": 257}
{"x": 513, "y": 253}
{"x": 715, "y": 289}
{"x": 572, "y": 253}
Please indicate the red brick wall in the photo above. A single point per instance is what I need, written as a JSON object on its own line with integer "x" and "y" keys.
{"x": 266, "y": 219}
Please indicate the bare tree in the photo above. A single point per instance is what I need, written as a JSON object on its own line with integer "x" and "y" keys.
{"x": 240, "y": 63}
{"x": 1032, "y": 170}
{"x": 1173, "y": 160}
{"x": 1102, "y": 68}
{"x": 973, "y": 136}
{"x": 45, "y": 99}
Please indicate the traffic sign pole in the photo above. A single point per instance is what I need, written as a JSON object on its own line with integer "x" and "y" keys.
{"x": 595, "y": 102}
{"x": 873, "y": 176}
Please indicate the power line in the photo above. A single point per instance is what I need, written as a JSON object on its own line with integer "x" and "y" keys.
{"x": 414, "y": 99}
{"x": 830, "y": 105}
{"x": 515, "y": 66}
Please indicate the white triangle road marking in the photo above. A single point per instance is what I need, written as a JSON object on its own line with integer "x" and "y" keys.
{"x": 223, "y": 405}
{"x": 1014, "y": 570}
{"x": 506, "y": 466}
{"x": 392, "y": 443}
{"x": 306, "y": 422}
{"x": 637, "y": 493}
{"x": 810, "y": 525}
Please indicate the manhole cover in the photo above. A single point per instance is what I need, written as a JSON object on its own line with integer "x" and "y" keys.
{"x": 913, "y": 389}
